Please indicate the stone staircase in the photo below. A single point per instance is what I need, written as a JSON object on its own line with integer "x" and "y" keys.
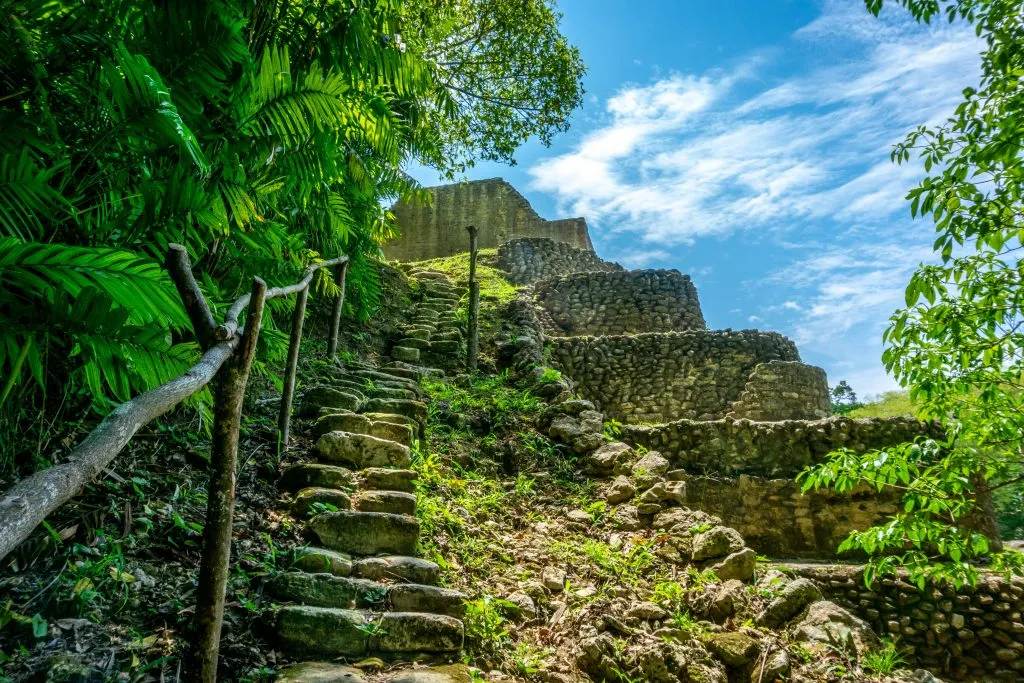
{"x": 434, "y": 333}
{"x": 359, "y": 589}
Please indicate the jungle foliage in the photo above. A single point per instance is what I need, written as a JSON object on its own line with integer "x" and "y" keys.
{"x": 261, "y": 135}
{"x": 958, "y": 346}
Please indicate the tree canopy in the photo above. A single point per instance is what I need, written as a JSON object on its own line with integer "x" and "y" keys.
{"x": 261, "y": 135}
{"x": 958, "y": 346}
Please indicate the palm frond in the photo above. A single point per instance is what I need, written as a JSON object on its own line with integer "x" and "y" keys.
{"x": 27, "y": 202}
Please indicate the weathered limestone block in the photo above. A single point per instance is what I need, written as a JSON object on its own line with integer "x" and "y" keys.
{"x": 361, "y": 450}
{"x": 366, "y": 533}
{"x": 303, "y": 475}
{"x": 783, "y": 390}
{"x": 417, "y": 632}
{"x": 409, "y": 597}
{"x": 324, "y": 631}
{"x": 395, "y": 502}
{"x": 306, "y": 498}
{"x": 321, "y": 560}
{"x": 396, "y": 568}
{"x": 327, "y": 590}
{"x": 319, "y": 397}
{"x": 381, "y": 479}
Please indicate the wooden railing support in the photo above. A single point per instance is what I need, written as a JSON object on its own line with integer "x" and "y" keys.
{"x": 227, "y": 416}
{"x": 473, "y": 333}
{"x": 339, "y": 301}
{"x": 288, "y": 391}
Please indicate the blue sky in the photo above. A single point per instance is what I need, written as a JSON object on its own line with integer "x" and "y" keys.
{"x": 747, "y": 144}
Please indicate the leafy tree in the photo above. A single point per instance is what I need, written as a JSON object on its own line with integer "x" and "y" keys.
{"x": 510, "y": 75}
{"x": 958, "y": 346}
{"x": 844, "y": 398}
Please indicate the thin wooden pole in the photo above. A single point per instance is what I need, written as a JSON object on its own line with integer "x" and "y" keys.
{"x": 332, "y": 340}
{"x": 213, "y": 570}
{"x": 474, "y": 304}
{"x": 288, "y": 392}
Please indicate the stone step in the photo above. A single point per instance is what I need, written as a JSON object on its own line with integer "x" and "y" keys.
{"x": 335, "y": 632}
{"x": 363, "y": 424}
{"x": 396, "y": 568}
{"x": 324, "y": 561}
{"x": 328, "y": 590}
{"x": 366, "y": 533}
{"x": 428, "y": 274}
{"x": 319, "y": 397}
{"x": 419, "y": 371}
{"x": 350, "y": 386}
{"x": 361, "y": 450}
{"x": 346, "y": 592}
{"x": 329, "y": 672}
{"x": 389, "y": 568}
{"x": 388, "y": 392}
{"x": 426, "y": 314}
{"x": 307, "y": 498}
{"x": 393, "y": 418}
{"x": 418, "y": 331}
{"x": 413, "y": 343}
{"x": 395, "y": 502}
{"x": 405, "y": 353}
{"x": 445, "y": 346}
{"x": 388, "y": 379}
{"x": 383, "y": 479}
{"x": 449, "y": 329}
{"x": 305, "y": 474}
{"x": 451, "y": 335}
{"x": 398, "y": 406}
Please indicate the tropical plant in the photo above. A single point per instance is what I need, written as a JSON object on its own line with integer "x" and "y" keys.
{"x": 261, "y": 136}
{"x": 958, "y": 346}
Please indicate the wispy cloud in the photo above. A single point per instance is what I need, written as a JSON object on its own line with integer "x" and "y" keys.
{"x": 694, "y": 155}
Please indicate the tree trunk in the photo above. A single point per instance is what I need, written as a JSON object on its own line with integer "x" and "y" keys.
{"x": 288, "y": 391}
{"x": 213, "y": 570}
{"x": 332, "y": 339}
{"x": 473, "y": 333}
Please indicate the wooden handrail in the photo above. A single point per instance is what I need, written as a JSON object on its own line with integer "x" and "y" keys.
{"x": 228, "y": 352}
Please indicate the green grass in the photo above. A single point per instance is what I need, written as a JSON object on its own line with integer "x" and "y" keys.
{"x": 493, "y": 284}
{"x": 889, "y": 404}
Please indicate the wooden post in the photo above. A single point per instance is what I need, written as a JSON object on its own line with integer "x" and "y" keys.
{"x": 332, "y": 339}
{"x": 474, "y": 304}
{"x": 288, "y": 392}
{"x": 213, "y": 570}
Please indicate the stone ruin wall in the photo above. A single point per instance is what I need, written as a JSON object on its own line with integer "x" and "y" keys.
{"x": 620, "y": 302}
{"x": 971, "y": 634}
{"x": 498, "y": 211}
{"x": 782, "y": 390}
{"x": 729, "y": 447}
{"x": 777, "y": 520}
{"x": 656, "y": 377}
{"x": 529, "y": 259}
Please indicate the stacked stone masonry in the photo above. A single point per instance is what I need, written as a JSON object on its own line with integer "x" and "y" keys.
{"x": 729, "y": 447}
{"x": 530, "y": 259}
{"x": 620, "y": 302}
{"x": 970, "y": 634}
{"x": 498, "y": 211}
{"x": 656, "y": 377}
{"x": 782, "y": 390}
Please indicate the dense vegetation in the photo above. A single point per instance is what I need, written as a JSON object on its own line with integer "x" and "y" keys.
{"x": 958, "y": 346}
{"x": 261, "y": 135}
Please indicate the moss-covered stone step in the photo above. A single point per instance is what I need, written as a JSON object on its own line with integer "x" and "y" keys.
{"x": 366, "y": 533}
{"x": 361, "y": 450}
{"x": 394, "y": 418}
{"x": 362, "y": 424}
{"x": 445, "y": 346}
{"x": 329, "y": 672}
{"x": 307, "y": 499}
{"x": 329, "y": 590}
{"x": 319, "y": 397}
{"x": 418, "y": 331}
{"x": 396, "y": 568}
{"x": 395, "y": 502}
{"x": 381, "y": 568}
{"x": 331, "y": 632}
{"x": 414, "y": 343}
{"x": 413, "y": 373}
{"x": 398, "y": 406}
{"x": 346, "y": 592}
{"x": 387, "y": 378}
{"x": 453, "y": 335}
{"x": 303, "y": 475}
{"x": 405, "y": 353}
{"x": 383, "y": 479}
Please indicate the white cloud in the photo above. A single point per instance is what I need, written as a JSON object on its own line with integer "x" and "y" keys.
{"x": 689, "y": 156}
{"x": 639, "y": 258}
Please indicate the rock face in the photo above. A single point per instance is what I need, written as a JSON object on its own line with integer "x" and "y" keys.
{"x": 529, "y": 259}
{"x": 782, "y": 390}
